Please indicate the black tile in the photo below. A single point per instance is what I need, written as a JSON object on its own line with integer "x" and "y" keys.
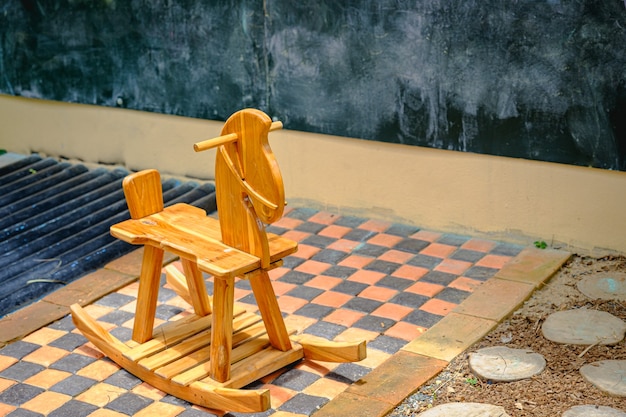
{"x": 452, "y": 295}
{"x": 362, "y": 304}
{"x": 350, "y": 287}
{"x": 507, "y": 249}
{"x": 69, "y": 341}
{"x": 117, "y": 317}
{"x": 424, "y": 261}
{"x": 367, "y": 249}
{"x": 310, "y": 227}
{"x": 248, "y": 299}
{"x": 115, "y": 300}
{"x": 123, "y": 379}
{"x": 374, "y": 323}
{"x": 401, "y": 230}
{"x": 395, "y": 283}
{"x": 276, "y": 229}
{"x": 72, "y": 362}
{"x": 339, "y": 271}
{"x": 349, "y": 221}
{"x": 301, "y": 213}
{"x": 467, "y": 255}
{"x": 65, "y": 324}
{"x": 19, "y": 349}
{"x": 296, "y": 277}
{"x": 408, "y": 299}
{"x": 129, "y": 404}
{"x": 166, "y": 311}
{"x": 385, "y": 267}
{"x": 304, "y": 292}
{"x": 124, "y": 334}
{"x": 165, "y": 294}
{"x": 481, "y": 273}
{"x": 192, "y": 412}
{"x": 411, "y": 245}
{"x": 18, "y": 394}
{"x": 387, "y": 344}
{"x": 348, "y": 372}
{"x": 73, "y": 385}
{"x": 438, "y": 277}
{"x": 422, "y": 318}
{"x": 329, "y": 256}
{"x": 292, "y": 261}
{"x": 73, "y": 408}
{"x": 243, "y": 284}
{"x": 303, "y": 404}
{"x": 325, "y": 329}
{"x": 22, "y": 412}
{"x": 314, "y": 311}
{"x": 295, "y": 379}
{"x": 318, "y": 241}
{"x": 359, "y": 235}
{"x": 21, "y": 371}
{"x": 452, "y": 240}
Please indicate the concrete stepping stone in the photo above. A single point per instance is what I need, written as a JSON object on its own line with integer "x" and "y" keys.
{"x": 504, "y": 364}
{"x": 465, "y": 410}
{"x": 593, "y": 411}
{"x": 608, "y": 376}
{"x": 604, "y": 286}
{"x": 583, "y": 327}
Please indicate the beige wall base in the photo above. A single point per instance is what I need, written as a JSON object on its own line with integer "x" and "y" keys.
{"x": 515, "y": 200}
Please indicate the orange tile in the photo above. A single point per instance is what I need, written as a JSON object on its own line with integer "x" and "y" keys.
{"x": 103, "y": 412}
{"x": 132, "y": 289}
{"x": 97, "y": 311}
{"x": 89, "y": 349}
{"x": 160, "y": 409}
{"x": 276, "y": 273}
{"x": 5, "y": 409}
{"x": 131, "y": 307}
{"x": 366, "y": 277}
{"x": 323, "y": 282}
{"x": 324, "y": 217}
{"x": 479, "y": 245}
{"x": 240, "y": 293}
{"x": 353, "y": 333}
{"x": 334, "y": 231}
{"x": 493, "y": 261}
{"x": 332, "y": 299}
{"x": 306, "y": 251}
{"x": 378, "y": 293}
{"x": 279, "y": 395}
{"x": 46, "y": 402}
{"x": 281, "y": 288}
{"x": 6, "y": 361}
{"x": 426, "y": 235}
{"x": 395, "y": 256}
{"x": 438, "y": 250}
{"x": 392, "y": 311}
{"x": 383, "y": 239}
{"x": 5, "y": 383}
{"x": 374, "y": 358}
{"x": 343, "y": 245}
{"x": 295, "y": 235}
{"x": 355, "y": 261}
{"x": 44, "y": 336}
{"x": 406, "y": 331}
{"x": 425, "y": 288}
{"x": 375, "y": 225}
{"x": 99, "y": 370}
{"x": 410, "y": 272}
{"x": 287, "y": 223}
{"x": 326, "y": 388}
{"x": 319, "y": 368}
{"x": 439, "y": 307}
{"x": 101, "y": 394}
{"x": 146, "y": 390}
{"x": 312, "y": 267}
{"x": 47, "y": 378}
{"x": 465, "y": 284}
{"x": 290, "y": 304}
{"x": 453, "y": 266}
{"x": 298, "y": 323}
{"x": 344, "y": 317}
{"x": 46, "y": 355}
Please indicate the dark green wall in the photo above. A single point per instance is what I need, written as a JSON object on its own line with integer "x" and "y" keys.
{"x": 540, "y": 80}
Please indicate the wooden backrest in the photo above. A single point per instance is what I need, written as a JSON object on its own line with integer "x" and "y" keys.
{"x": 144, "y": 193}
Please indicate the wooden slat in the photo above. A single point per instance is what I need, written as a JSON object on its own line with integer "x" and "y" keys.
{"x": 319, "y": 349}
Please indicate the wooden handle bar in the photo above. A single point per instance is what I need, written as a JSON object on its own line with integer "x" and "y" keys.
{"x": 224, "y": 139}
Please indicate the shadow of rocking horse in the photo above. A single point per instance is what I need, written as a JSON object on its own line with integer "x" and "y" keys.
{"x": 206, "y": 357}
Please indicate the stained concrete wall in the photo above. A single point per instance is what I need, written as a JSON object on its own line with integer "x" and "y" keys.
{"x": 510, "y": 199}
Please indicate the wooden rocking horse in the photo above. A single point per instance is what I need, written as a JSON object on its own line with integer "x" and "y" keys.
{"x": 206, "y": 357}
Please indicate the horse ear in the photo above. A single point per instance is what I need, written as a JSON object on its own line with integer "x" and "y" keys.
{"x": 144, "y": 193}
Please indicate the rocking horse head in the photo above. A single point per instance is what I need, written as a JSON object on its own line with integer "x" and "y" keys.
{"x": 248, "y": 182}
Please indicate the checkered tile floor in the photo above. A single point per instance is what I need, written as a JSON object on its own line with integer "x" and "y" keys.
{"x": 352, "y": 278}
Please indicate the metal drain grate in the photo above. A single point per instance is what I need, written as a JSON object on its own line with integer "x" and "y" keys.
{"x": 55, "y": 219}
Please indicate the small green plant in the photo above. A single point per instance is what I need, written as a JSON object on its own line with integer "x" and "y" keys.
{"x": 472, "y": 381}
{"x": 541, "y": 244}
